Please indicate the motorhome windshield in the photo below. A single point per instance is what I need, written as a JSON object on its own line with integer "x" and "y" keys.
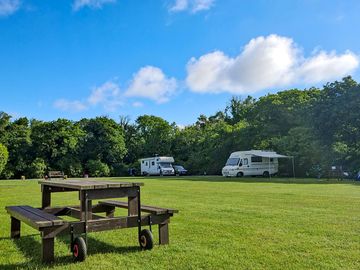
{"x": 232, "y": 161}
{"x": 165, "y": 165}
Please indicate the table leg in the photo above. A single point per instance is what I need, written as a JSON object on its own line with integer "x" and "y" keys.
{"x": 46, "y": 197}
{"x": 164, "y": 234}
{"x": 133, "y": 206}
{"x": 15, "y": 228}
{"x": 85, "y": 207}
{"x": 47, "y": 250}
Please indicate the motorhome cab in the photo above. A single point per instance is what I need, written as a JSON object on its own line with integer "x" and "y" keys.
{"x": 157, "y": 166}
{"x": 252, "y": 163}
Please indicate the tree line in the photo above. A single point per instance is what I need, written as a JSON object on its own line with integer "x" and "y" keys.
{"x": 319, "y": 127}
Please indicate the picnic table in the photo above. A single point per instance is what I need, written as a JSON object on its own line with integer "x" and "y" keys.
{"x": 48, "y": 221}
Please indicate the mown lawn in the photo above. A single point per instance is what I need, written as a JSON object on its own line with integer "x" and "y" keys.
{"x": 223, "y": 224}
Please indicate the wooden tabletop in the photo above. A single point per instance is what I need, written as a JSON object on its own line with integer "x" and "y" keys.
{"x": 88, "y": 184}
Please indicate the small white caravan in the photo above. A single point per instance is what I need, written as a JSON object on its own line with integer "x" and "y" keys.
{"x": 252, "y": 163}
{"x": 157, "y": 166}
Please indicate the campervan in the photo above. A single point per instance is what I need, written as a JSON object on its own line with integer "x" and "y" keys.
{"x": 157, "y": 166}
{"x": 251, "y": 163}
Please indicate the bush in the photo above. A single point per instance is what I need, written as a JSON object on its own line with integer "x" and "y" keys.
{"x": 96, "y": 168}
{"x": 120, "y": 169}
{"x": 37, "y": 168}
{"x": 75, "y": 170}
{"x": 4, "y": 155}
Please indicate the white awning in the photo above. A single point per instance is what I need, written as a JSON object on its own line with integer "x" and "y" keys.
{"x": 271, "y": 155}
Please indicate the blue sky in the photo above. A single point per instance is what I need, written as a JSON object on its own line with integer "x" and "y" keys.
{"x": 173, "y": 58}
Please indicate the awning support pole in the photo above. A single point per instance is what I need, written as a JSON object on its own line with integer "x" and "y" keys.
{"x": 293, "y": 165}
{"x": 269, "y": 170}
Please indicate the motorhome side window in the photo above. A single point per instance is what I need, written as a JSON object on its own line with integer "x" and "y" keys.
{"x": 246, "y": 161}
{"x": 256, "y": 159}
{"x": 152, "y": 163}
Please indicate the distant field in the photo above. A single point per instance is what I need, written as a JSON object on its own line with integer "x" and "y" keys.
{"x": 249, "y": 223}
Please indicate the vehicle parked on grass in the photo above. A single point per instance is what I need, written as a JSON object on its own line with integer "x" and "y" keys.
{"x": 157, "y": 166}
{"x": 252, "y": 163}
{"x": 179, "y": 170}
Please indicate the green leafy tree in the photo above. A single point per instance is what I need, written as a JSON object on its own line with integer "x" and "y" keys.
{"x": 57, "y": 143}
{"x": 155, "y": 135}
{"x": 19, "y": 147}
{"x": 4, "y": 155}
{"x": 103, "y": 141}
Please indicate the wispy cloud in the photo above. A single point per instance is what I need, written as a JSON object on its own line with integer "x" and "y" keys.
{"x": 106, "y": 95}
{"x": 137, "y": 104}
{"x": 192, "y": 6}
{"x": 94, "y": 4}
{"x": 266, "y": 62}
{"x": 9, "y": 7}
{"x": 70, "y": 105}
{"x": 148, "y": 83}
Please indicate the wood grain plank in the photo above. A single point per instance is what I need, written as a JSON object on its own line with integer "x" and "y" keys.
{"x": 27, "y": 217}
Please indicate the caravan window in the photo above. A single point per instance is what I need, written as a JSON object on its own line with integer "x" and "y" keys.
{"x": 246, "y": 161}
{"x": 152, "y": 163}
{"x": 165, "y": 165}
{"x": 256, "y": 159}
{"x": 232, "y": 161}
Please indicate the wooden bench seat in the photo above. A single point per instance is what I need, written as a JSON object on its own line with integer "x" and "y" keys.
{"x": 45, "y": 222}
{"x": 56, "y": 175}
{"x": 34, "y": 217}
{"x": 145, "y": 208}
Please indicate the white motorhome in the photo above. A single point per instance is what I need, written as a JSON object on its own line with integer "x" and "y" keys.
{"x": 157, "y": 166}
{"x": 252, "y": 163}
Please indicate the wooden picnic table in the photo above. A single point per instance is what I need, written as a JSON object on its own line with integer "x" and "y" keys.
{"x": 47, "y": 218}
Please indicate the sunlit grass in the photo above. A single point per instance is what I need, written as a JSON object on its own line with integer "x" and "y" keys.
{"x": 223, "y": 223}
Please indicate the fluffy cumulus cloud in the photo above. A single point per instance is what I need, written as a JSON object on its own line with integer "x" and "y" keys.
{"x": 78, "y": 4}
{"x": 8, "y": 7}
{"x": 151, "y": 83}
{"x": 266, "y": 62}
{"x": 193, "y": 6}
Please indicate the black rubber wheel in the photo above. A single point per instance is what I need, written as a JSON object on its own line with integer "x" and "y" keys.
{"x": 146, "y": 239}
{"x": 266, "y": 174}
{"x": 239, "y": 174}
{"x": 79, "y": 249}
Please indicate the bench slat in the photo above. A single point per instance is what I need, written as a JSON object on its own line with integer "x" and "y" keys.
{"x": 29, "y": 218}
{"x": 54, "y": 219}
{"x": 145, "y": 208}
{"x": 33, "y": 217}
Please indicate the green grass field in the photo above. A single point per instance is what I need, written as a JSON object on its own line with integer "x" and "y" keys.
{"x": 223, "y": 224}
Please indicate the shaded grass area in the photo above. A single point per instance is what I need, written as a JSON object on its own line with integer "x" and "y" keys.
{"x": 224, "y": 223}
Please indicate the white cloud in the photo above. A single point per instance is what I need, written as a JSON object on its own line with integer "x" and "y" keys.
{"x": 108, "y": 95}
{"x": 266, "y": 62}
{"x": 193, "y": 6}
{"x": 70, "y": 105}
{"x": 95, "y": 4}
{"x": 137, "y": 104}
{"x": 150, "y": 82}
{"x": 8, "y": 7}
